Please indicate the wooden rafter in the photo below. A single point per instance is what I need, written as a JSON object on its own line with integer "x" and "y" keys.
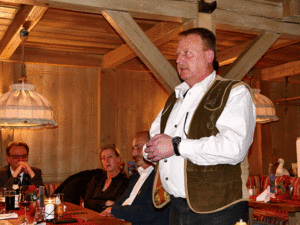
{"x": 251, "y": 55}
{"x": 287, "y": 99}
{"x": 159, "y": 35}
{"x": 62, "y": 58}
{"x": 256, "y": 23}
{"x": 134, "y": 36}
{"x": 27, "y": 16}
{"x": 167, "y": 8}
{"x": 228, "y": 56}
{"x": 261, "y": 8}
{"x": 288, "y": 69}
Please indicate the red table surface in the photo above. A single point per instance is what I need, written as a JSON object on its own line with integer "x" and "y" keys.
{"x": 88, "y": 218}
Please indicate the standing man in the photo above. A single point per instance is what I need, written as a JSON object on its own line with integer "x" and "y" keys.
{"x": 136, "y": 204}
{"x": 201, "y": 138}
{"x": 18, "y": 167}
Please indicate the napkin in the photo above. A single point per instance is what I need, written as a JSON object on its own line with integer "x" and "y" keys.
{"x": 264, "y": 196}
{"x": 8, "y": 216}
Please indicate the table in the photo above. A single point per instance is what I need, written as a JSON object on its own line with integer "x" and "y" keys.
{"x": 292, "y": 209}
{"x": 83, "y": 215}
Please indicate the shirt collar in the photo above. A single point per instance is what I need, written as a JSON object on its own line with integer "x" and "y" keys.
{"x": 182, "y": 88}
{"x": 148, "y": 170}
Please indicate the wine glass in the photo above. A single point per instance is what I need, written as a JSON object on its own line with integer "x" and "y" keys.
{"x": 25, "y": 200}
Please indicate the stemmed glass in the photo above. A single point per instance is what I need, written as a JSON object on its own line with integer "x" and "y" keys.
{"x": 25, "y": 200}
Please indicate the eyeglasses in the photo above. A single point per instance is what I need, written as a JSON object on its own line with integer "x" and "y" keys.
{"x": 19, "y": 156}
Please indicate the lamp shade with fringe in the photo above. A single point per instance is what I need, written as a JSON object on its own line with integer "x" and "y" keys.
{"x": 265, "y": 110}
{"x": 22, "y": 107}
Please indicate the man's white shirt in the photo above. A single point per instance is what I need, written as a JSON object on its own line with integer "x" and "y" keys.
{"x": 236, "y": 125}
{"x": 144, "y": 173}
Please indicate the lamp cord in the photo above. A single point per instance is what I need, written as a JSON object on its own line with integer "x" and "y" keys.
{"x": 23, "y": 35}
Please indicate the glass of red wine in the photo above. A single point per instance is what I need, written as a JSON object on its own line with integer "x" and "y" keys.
{"x": 25, "y": 201}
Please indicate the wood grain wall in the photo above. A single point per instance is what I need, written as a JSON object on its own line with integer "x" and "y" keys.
{"x": 129, "y": 103}
{"x": 93, "y": 108}
{"x": 279, "y": 138}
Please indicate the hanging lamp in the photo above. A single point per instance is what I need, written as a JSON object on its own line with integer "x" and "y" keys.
{"x": 22, "y": 107}
{"x": 265, "y": 110}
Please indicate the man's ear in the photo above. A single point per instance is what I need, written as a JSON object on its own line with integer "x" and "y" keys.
{"x": 210, "y": 55}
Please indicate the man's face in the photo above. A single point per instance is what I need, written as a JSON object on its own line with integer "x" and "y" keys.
{"x": 16, "y": 154}
{"x": 137, "y": 151}
{"x": 192, "y": 59}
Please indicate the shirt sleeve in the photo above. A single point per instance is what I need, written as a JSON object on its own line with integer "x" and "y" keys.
{"x": 155, "y": 129}
{"x": 236, "y": 126}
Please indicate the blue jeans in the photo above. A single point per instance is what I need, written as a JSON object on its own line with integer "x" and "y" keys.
{"x": 181, "y": 214}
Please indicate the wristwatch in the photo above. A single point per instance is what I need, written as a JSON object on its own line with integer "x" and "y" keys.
{"x": 176, "y": 141}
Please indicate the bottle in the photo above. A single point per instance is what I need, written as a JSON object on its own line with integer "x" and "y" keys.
{"x": 16, "y": 188}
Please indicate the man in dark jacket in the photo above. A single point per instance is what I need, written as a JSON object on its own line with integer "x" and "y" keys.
{"x": 136, "y": 204}
{"x": 18, "y": 167}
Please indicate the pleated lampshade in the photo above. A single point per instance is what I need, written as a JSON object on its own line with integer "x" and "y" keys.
{"x": 22, "y": 107}
{"x": 265, "y": 110}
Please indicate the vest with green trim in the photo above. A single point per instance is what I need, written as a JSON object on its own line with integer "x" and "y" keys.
{"x": 211, "y": 188}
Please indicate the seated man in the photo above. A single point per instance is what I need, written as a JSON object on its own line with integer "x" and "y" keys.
{"x": 136, "y": 205}
{"x": 18, "y": 167}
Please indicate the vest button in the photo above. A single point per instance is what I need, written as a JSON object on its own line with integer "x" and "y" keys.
{"x": 165, "y": 160}
{"x": 175, "y": 126}
{"x": 167, "y": 178}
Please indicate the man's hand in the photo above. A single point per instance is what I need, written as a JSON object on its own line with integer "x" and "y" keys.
{"x": 23, "y": 167}
{"x": 159, "y": 147}
{"x": 109, "y": 203}
{"x": 106, "y": 212}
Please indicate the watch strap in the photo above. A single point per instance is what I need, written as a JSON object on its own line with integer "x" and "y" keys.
{"x": 176, "y": 141}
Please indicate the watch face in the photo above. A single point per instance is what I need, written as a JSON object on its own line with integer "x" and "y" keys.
{"x": 177, "y": 140}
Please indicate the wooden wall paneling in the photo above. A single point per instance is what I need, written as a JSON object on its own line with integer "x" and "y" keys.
{"x": 282, "y": 134}
{"x": 6, "y": 79}
{"x": 137, "y": 99}
{"x": 108, "y": 104}
{"x": 127, "y": 111}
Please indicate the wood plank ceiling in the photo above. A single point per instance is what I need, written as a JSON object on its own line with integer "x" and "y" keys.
{"x": 89, "y": 35}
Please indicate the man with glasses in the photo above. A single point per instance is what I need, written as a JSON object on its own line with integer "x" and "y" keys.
{"x": 18, "y": 167}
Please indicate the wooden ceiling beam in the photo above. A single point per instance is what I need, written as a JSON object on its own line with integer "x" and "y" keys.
{"x": 27, "y": 16}
{"x": 61, "y": 58}
{"x": 228, "y": 56}
{"x": 134, "y": 36}
{"x": 284, "y": 70}
{"x": 251, "y": 55}
{"x": 159, "y": 35}
{"x": 261, "y": 8}
{"x": 256, "y": 23}
{"x": 166, "y": 8}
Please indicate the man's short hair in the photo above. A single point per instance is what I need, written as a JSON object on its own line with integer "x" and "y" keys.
{"x": 16, "y": 143}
